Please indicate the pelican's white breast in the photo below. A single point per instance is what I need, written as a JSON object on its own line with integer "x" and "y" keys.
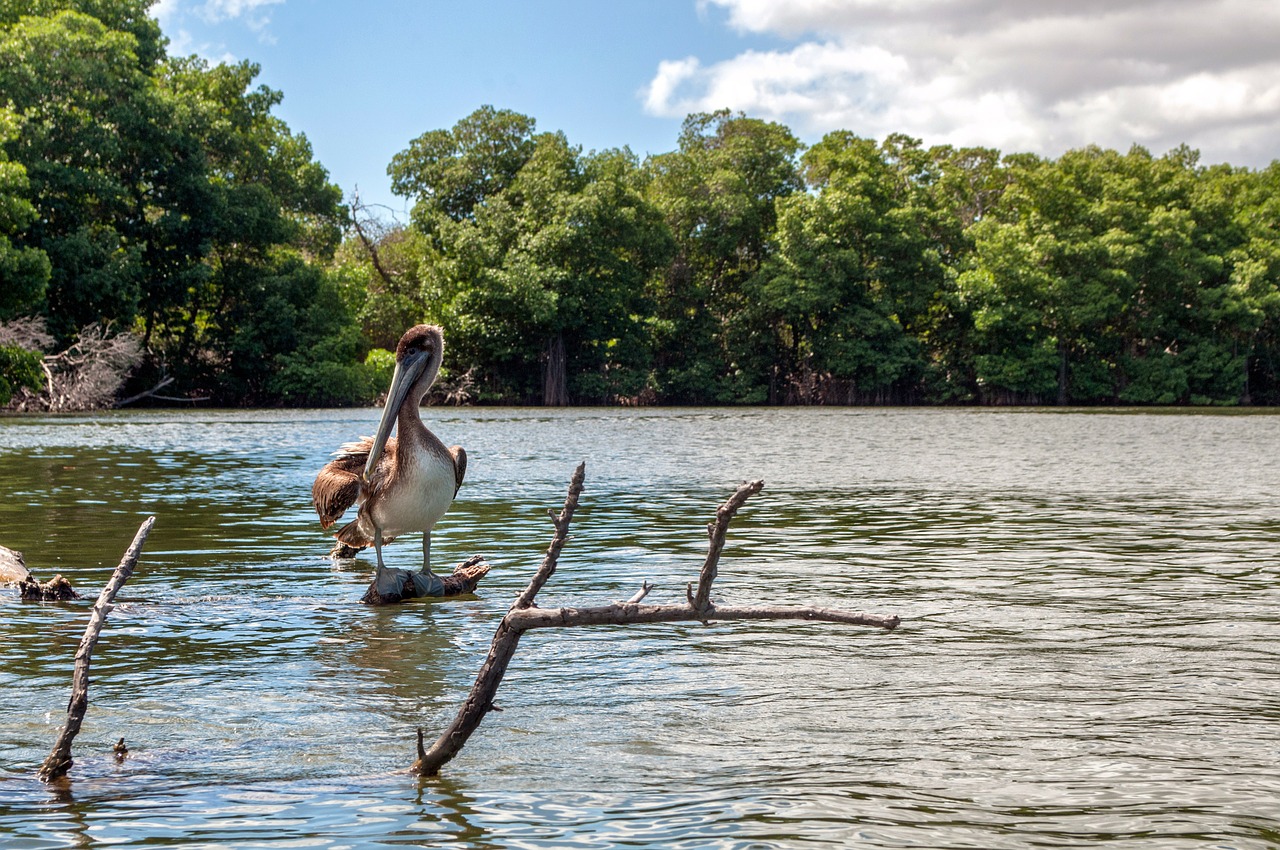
{"x": 420, "y": 495}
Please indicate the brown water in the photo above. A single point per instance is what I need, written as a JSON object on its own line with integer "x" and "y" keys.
{"x": 1088, "y": 655}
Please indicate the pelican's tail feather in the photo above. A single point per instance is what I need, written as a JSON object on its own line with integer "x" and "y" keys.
{"x": 351, "y": 535}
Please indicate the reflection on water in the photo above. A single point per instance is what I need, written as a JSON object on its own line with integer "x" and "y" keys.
{"x": 1088, "y": 654}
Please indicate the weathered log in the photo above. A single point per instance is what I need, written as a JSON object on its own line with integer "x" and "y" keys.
{"x": 56, "y": 589}
{"x": 462, "y": 580}
{"x": 59, "y": 760}
{"x": 525, "y": 615}
{"x": 13, "y": 570}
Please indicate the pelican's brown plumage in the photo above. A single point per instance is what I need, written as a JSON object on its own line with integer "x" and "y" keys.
{"x": 403, "y": 483}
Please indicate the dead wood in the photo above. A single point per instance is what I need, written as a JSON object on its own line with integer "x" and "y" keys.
{"x": 56, "y": 589}
{"x": 13, "y": 570}
{"x": 360, "y": 220}
{"x": 164, "y": 382}
{"x": 87, "y": 375}
{"x": 525, "y": 615}
{"x": 462, "y": 580}
{"x": 59, "y": 760}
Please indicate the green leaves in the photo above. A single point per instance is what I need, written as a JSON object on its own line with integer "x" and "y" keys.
{"x": 18, "y": 368}
{"x": 164, "y": 195}
{"x": 534, "y": 252}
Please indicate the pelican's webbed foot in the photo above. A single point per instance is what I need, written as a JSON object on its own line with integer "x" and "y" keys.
{"x": 427, "y": 583}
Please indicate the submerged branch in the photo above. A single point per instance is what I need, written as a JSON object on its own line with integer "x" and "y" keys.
{"x": 59, "y": 760}
{"x": 525, "y": 615}
{"x": 561, "y": 522}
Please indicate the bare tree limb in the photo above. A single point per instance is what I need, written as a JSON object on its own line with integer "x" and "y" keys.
{"x": 561, "y": 522}
{"x": 357, "y": 209}
{"x": 628, "y": 613}
{"x": 145, "y": 393}
{"x": 716, "y": 532}
{"x": 640, "y": 594}
{"x": 87, "y": 375}
{"x": 59, "y": 760}
{"x": 524, "y": 615}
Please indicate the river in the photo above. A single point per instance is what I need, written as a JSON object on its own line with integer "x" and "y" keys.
{"x": 1089, "y": 654}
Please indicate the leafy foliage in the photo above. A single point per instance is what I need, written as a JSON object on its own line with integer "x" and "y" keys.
{"x": 18, "y": 368}
{"x": 534, "y": 253}
{"x": 163, "y": 196}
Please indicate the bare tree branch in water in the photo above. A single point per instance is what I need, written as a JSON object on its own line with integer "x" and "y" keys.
{"x": 59, "y": 760}
{"x": 525, "y": 615}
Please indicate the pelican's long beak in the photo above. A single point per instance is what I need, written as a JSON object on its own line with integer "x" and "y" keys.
{"x": 406, "y": 375}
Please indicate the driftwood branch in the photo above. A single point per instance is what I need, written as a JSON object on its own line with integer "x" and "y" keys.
{"x": 59, "y": 760}
{"x": 561, "y": 522}
{"x": 640, "y": 594}
{"x": 715, "y": 534}
{"x": 525, "y": 615}
{"x": 164, "y": 382}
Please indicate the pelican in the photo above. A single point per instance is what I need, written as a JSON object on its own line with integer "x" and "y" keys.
{"x": 403, "y": 483}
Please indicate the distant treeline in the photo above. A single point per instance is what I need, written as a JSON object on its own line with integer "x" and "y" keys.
{"x": 162, "y": 196}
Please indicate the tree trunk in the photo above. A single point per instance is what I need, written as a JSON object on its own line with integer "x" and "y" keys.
{"x": 555, "y": 380}
{"x": 1062, "y": 373}
{"x": 1245, "y": 397}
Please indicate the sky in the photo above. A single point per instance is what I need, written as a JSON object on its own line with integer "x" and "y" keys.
{"x": 362, "y": 78}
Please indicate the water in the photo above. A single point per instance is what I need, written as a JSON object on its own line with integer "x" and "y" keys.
{"x": 1088, "y": 655}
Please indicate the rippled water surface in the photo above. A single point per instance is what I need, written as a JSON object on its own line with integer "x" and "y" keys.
{"x": 1089, "y": 652}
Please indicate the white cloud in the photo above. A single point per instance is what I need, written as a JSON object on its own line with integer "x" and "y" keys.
{"x": 252, "y": 11}
{"x": 1021, "y": 76}
{"x": 204, "y": 14}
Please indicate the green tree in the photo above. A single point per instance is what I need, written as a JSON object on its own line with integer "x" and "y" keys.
{"x": 266, "y": 209}
{"x": 549, "y": 263}
{"x": 18, "y": 368}
{"x": 718, "y": 194}
{"x": 859, "y": 290}
{"x": 87, "y": 112}
{"x": 1240, "y": 309}
{"x": 167, "y": 193}
{"x": 453, "y": 173}
{"x": 24, "y": 271}
{"x": 1095, "y": 258}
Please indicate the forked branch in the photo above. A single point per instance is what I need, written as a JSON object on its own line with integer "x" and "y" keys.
{"x": 525, "y": 615}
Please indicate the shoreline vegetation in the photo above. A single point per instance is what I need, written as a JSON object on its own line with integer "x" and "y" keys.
{"x": 166, "y": 239}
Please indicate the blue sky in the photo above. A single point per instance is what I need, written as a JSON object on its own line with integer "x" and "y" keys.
{"x": 361, "y": 79}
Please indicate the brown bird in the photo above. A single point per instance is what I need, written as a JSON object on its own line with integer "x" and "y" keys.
{"x": 403, "y": 483}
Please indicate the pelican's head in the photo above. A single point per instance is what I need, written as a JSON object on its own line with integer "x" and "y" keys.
{"x": 419, "y": 353}
{"x": 418, "y": 357}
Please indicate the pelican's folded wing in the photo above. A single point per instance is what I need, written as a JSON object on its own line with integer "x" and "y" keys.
{"x": 459, "y": 466}
{"x": 337, "y": 486}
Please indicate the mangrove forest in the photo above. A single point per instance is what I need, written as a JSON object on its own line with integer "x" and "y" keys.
{"x": 165, "y": 237}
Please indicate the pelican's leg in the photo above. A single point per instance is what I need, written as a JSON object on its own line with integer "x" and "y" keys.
{"x": 384, "y": 579}
{"x": 426, "y": 582}
{"x": 377, "y": 547}
{"x": 426, "y": 555}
